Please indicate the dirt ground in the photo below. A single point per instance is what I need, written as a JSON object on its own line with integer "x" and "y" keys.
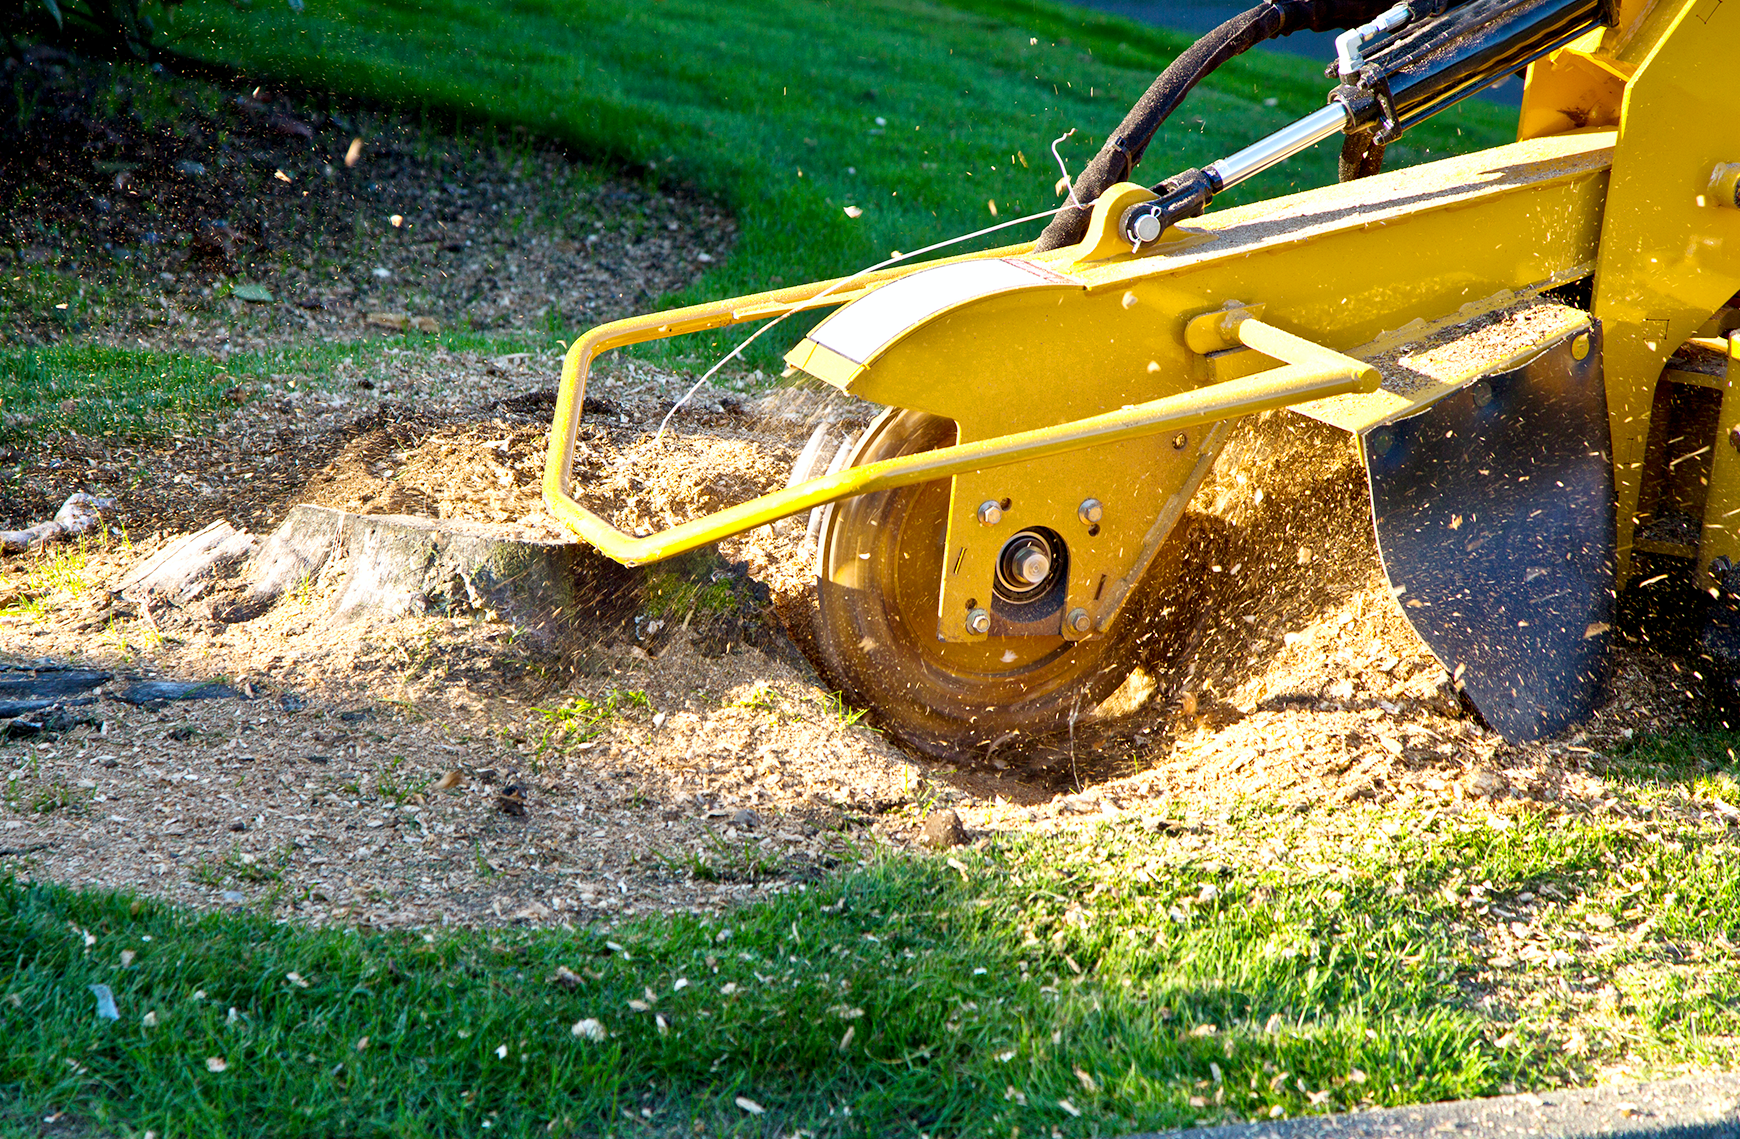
{"x": 192, "y": 215}
{"x": 430, "y": 769}
{"x": 444, "y": 767}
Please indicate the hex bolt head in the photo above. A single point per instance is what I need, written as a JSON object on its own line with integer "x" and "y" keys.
{"x": 1090, "y": 511}
{"x": 978, "y": 621}
{"x": 990, "y": 512}
{"x": 1079, "y": 620}
{"x": 1580, "y": 347}
{"x": 1179, "y": 440}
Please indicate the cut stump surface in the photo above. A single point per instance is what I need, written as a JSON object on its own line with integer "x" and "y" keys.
{"x": 392, "y": 565}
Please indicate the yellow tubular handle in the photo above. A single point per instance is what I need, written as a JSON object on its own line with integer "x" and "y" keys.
{"x": 1311, "y": 372}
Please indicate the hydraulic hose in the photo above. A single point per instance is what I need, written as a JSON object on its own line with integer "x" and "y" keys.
{"x": 1118, "y": 158}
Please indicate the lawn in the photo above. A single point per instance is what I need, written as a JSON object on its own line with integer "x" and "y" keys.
{"x": 934, "y": 119}
{"x": 139, "y": 395}
{"x": 1141, "y": 973}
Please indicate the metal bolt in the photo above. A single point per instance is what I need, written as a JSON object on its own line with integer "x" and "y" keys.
{"x": 1031, "y": 565}
{"x": 1090, "y": 511}
{"x": 1724, "y": 185}
{"x": 1179, "y": 440}
{"x": 1144, "y": 227}
{"x": 978, "y": 621}
{"x": 1079, "y": 620}
{"x": 1734, "y": 437}
{"x": 1025, "y": 562}
{"x": 1580, "y": 347}
{"x": 990, "y": 512}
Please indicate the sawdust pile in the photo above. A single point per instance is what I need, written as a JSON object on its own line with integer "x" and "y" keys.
{"x": 721, "y": 448}
{"x": 1294, "y": 678}
{"x": 1292, "y": 671}
{"x": 1299, "y": 679}
{"x": 1294, "y": 607}
{"x": 1288, "y": 669}
{"x": 479, "y": 472}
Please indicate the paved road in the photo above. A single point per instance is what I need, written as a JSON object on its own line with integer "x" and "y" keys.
{"x": 1198, "y": 16}
{"x": 1698, "y": 1107}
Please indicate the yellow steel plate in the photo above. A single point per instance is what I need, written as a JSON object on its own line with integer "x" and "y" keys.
{"x": 1341, "y": 266}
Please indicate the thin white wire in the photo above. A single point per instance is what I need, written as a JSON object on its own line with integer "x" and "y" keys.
{"x": 836, "y": 286}
{"x": 799, "y": 306}
{"x": 1067, "y": 180}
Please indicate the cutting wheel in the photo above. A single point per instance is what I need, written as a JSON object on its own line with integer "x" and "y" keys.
{"x": 879, "y": 566}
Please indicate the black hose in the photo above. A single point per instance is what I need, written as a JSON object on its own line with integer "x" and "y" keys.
{"x": 1362, "y": 155}
{"x": 1118, "y": 158}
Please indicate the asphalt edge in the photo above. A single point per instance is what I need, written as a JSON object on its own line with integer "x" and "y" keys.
{"x": 1692, "y": 1107}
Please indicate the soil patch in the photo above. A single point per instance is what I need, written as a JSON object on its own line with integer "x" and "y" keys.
{"x": 187, "y": 215}
{"x": 119, "y": 172}
{"x": 695, "y": 767}
{"x": 442, "y": 765}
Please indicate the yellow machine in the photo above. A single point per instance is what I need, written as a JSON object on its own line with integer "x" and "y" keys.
{"x": 1530, "y": 344}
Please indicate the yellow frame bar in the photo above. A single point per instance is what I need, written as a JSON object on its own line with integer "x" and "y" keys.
{"x": 1310, "y": 372}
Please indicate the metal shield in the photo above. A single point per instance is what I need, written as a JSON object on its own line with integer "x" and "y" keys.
{"x": 1495, "y": 519}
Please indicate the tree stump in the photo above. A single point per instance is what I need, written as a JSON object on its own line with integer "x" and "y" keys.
{"x": 559, "y": 597}
{"x": 391, "y": 565}
{"x": 183, "y": 570}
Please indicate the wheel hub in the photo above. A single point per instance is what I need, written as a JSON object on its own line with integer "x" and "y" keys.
{"x": 1027, "y": 564}
{"x": 880, "y": 561}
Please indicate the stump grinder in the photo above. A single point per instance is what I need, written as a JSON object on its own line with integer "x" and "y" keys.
{"x": 1532, "y": 346}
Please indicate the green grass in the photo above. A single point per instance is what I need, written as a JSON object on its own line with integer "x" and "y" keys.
{"x": 920, "y": 113}
{"x": 135, "y": 394}
{"x": 236, "y": 866}
{"x": 97, "y": 390}
{"x": 833, "y": 706}
{"x": 58, "y": 795}
{"x": 1141, "y": 974}
{"x": 673, "y": 595}
{"x": 33, "y": 587}
{"x": 1686, "y": 755}
{"x": 58, "y": 570}
{"x": 584, "y": 719}
{"x": 397, "y": 782}
{"x": 68, "y": 304}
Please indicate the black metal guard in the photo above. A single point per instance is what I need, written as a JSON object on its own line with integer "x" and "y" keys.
{"x": 1495, "y": 518}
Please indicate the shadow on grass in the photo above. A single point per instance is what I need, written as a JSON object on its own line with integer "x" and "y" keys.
{"x": 1039, "y": 983}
